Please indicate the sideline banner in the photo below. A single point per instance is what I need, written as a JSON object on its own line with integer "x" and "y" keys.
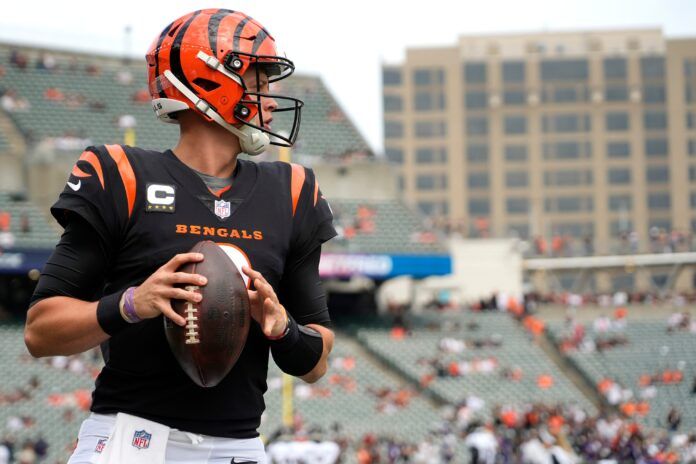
{"x": 383, "y": 266}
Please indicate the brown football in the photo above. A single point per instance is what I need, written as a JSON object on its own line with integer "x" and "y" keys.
{"x": 216, "y": 329}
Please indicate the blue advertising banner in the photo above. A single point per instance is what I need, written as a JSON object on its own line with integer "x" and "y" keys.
{"x": 383, "y": 266}
{"x": 19, "y": 261}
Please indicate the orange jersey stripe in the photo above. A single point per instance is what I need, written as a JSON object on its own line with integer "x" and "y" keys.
{"x": 297, "y": 177}
{"x": 77, "y": 172}
{"x": 316, "y": 191}
{"x": 92, "y": 159}
{"x": 126, "y": 171}
{"x": 219, "y": 192}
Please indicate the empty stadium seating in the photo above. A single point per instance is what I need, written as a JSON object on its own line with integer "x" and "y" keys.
{"x": 326, "y": 130}
{"x": 60, "y": 389}
{"x": 41, "y": 233}
{"x": 394, "y": 228}
{"x": 353, "y": 409}
{"x": 650, "y": 349}
{"x": 516, "y": 351}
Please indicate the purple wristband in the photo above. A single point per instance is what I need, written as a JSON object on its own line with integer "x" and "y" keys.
{"x": 129, "y": 306}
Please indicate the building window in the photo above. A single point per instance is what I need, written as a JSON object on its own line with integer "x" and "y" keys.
{"x": 617, "y": 121}
{"x": 692, "y": 200}
{"x": 429, "y": 101}
{"x": 475, "y": 73}
{"x": 656, "y": 147}
{"x": 618, "y": 176}
{"x": 475, "y": 100}
{"x": 395, "y": 155}
{"x": 616, "y": 93}
{"x": 391, "y": 77}
{"x": 568, "y": 178}
{"x": 692, "y": 173}
{"x": 478, "y": 180}
{"x": 691, "y": 120}
{"x": 620, "y": 202}
{"x": 426, "y": 207}
{"x": 431, "y": 155}
{"x": 566, "y": 122}
{"x": 427, "y": 129}
{"x": 517, "y": 205}
{"x": 567, "y": 95}
{"x": 431, "y": 76}
{"x": 393, "y": 129}
{"x": 515, "y": 124}
{"x": 424, "y": 156}
{"x": 564, "y": 70}
{"x": 618, "y": 149}
{"x": 514, "y": 97}
{"x": 621, "y": 226}
{"x": 516, "y": 179}
{"x": 655, "y": 120}
{"x": 515, "y": 152}
{"x": 691, "y": 147}
{"x": 652, "y": 67}
{"x": 660, "y": 200}
{"x": 574, "y": 229}
{"x": 431, "y": 182}
{"x": 654, "y": 94}
{"x": 568, "y": 204}
{"x": 513, "y": 71}
{"x": 477, "y": 153}
{"x": 476, "y": 126}
{"x": 615, "y": 68}
{"x": 479, "y": 207}
{"x": 657, "y": 174}
{"x": 567, "y": 150}
{"x": 392, "y": 104}
{"x": 690, "y": 68}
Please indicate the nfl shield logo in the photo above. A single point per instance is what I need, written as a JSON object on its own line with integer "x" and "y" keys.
{"x": 100, "y": 445}
{"x": 141, "y": 439}
{"x": 222, "y": 209}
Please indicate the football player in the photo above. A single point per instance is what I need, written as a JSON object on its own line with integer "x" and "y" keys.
{"x": 129, "y": 216}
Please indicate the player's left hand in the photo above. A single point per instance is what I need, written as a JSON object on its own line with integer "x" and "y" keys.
{"x": 265, "y": 307}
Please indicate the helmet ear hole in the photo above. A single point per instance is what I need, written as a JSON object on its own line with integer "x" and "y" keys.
{"x": 242, "y": 111}
{"x": 206, "y": 84}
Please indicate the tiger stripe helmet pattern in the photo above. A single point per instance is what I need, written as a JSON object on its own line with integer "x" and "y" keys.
{"x": 198, "y": 62}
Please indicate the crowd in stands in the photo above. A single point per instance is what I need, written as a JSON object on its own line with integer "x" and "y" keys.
{"x": 28, "y": 452}
{"x": 527, "y": 433}
{"x": 610, "y": 300}
{"x": 7, "y": 237}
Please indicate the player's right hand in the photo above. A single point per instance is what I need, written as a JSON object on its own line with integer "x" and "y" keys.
{"x": 153, "y": 297}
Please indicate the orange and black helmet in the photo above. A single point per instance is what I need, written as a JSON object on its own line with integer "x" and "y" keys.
{"x": 198, "y": 63}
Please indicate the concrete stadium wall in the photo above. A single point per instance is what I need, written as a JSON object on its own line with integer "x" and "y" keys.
{"x": 485, "y": 266}
{"x": 357, "y": 181}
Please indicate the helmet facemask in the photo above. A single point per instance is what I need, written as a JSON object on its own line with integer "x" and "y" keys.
{"x": 287, "y": 115}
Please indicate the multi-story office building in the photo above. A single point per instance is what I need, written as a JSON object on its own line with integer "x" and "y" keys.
{"x": 580, "y": 134}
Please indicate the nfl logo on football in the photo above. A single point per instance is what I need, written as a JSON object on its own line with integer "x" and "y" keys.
{"x": 141, "y": 439}
{"x": 222, "y": 209}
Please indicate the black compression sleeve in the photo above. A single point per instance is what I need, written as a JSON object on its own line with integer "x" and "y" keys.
{"x": 77, "y": 267}
{"x": 301, "y": 290}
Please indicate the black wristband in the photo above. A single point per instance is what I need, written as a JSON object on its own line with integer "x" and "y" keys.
{"x": 290, "y": 338}
{"x": 109, "y": 314}
{"x": 299, "y": 351}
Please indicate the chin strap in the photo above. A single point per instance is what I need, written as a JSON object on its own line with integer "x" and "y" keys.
{"x": 252, "y": 141}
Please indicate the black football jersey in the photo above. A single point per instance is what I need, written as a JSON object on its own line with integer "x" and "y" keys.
{"x": 148, "y": 206}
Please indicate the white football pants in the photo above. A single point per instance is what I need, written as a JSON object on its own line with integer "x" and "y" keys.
{"x": 182, "y": 447}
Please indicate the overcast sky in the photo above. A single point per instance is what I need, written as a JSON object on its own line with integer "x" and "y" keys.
{"x": 343, "y": 41}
